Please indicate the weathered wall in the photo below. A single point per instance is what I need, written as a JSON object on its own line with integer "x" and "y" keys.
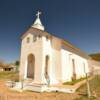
{"x": 60, "y": 68}
{"x": 36, "y": 49}
{"x": 67, "y": 66}
{"x": 52, "y": 47}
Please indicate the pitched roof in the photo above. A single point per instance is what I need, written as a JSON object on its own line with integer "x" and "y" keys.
{"x": 67, "y": 45}
{"x": 34, "y": 31}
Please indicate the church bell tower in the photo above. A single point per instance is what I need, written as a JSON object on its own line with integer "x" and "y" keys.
{"x": 37, "y": 24}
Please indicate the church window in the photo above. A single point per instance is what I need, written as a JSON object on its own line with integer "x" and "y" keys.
{"x": 74, "y": 72}
{"x": 47, "y": 38}
{"x": 39, "y": 36}
{"x": 34, "y": 38}
{"x": 28, "y": 40}
{"x": 84, "y": 67}
{"x": 46, "y": 66}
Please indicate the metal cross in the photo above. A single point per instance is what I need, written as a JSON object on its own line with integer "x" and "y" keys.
{"x": 38, "y": 14}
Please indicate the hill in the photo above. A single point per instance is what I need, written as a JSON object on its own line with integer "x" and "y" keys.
{"x": 95, "y": 56}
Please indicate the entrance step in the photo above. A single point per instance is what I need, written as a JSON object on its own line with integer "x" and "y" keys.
{"x": 42, "y": 88}
{"x": 57, "y": 89}
{"x": 35, "y": 87}
{"x": 28, "y": 80}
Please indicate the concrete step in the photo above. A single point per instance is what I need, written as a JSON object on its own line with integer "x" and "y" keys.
{"x": 28, "y": 81}
{"x": 35, "y": 87}
{"x": 30, "y": 85}
{"x": 57, "y": 89}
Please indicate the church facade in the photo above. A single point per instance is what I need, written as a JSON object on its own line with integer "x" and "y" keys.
{"x": 47, "y": 59}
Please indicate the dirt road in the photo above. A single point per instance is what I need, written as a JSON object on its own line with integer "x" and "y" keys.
{"x": 7, "y": 94}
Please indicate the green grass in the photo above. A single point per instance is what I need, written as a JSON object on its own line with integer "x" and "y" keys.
{"x": 94, "y": 87}
{"x": 74, "y": 81}
{"x": 6, "y": 75}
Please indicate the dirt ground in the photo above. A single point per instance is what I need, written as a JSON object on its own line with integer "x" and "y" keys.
{"x": 7, "y": 94}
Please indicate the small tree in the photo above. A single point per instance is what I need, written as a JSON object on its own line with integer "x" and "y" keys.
{"x": 17, "y": 63}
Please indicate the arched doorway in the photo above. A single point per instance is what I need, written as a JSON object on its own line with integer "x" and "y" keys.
{"x": 47, "y": 69}
{"x": 30, "y": 66}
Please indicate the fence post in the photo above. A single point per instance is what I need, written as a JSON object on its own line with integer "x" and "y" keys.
{"x": 87, "y": 82}
{"x": 88, "y": 86}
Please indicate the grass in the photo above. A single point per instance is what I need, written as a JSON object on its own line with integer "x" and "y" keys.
{"x": 9, "y": 75}
{"x": 74, "y": 81}
{"x": 94, "y": 87}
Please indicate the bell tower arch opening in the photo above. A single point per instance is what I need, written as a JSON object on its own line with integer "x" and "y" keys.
{"x": 30, "y": 66}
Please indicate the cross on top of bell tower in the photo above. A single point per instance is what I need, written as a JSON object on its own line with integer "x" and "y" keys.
{"x": 38, "y": 14}
{"x": 38, "y": 24}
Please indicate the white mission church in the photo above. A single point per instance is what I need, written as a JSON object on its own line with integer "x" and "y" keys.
{"x": 47, "y": 59}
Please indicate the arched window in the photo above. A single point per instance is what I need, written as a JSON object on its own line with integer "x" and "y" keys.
{"x": 34, "y": 38}
{"x": 84, "y": 67}
{"x": 47, "y": 38}
{"x": 74, "y": 72}
{"x": 28, "y": 40}
{"x": 39, "y": 36}
{"x": 46, "y": 66}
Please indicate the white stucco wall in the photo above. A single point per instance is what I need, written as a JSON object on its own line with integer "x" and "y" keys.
{"x": 61, "y": 67}
{"x": 49, "y": 49}
{"x": 67, "y": 66}
{"x": 60, "y": 60}
{"x": 56, "y": 56}
{"x": 34, "y": 48}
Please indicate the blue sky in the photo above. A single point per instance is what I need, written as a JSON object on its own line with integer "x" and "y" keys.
{"x": 77, "y": 21}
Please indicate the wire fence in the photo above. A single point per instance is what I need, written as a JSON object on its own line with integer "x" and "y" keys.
{"x": 92, "y": 87}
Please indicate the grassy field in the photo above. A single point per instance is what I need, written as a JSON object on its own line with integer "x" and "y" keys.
{"x": 95, "y": 90}
{"x": 6, "y": 75}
